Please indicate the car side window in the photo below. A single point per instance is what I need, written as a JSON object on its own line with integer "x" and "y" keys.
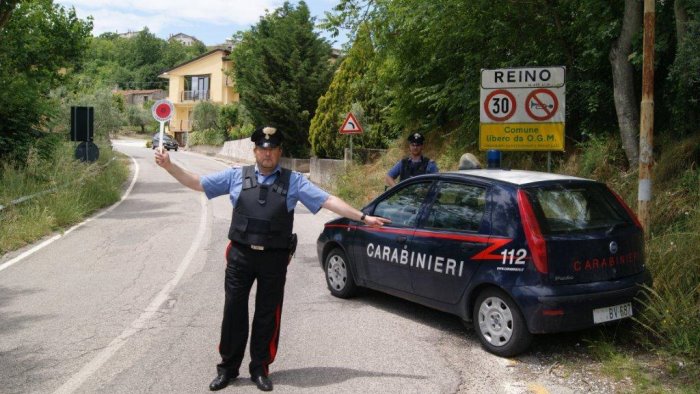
{"x": 403, "y": 206}
{"x": 457, "y": 207}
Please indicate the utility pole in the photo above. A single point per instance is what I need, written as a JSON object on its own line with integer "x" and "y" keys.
{"x": 646, "y": 124}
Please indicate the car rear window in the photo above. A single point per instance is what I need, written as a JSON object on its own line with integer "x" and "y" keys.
{"x": 576, "y": 208}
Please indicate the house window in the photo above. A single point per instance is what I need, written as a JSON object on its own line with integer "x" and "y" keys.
{"x": 197, "y": 87}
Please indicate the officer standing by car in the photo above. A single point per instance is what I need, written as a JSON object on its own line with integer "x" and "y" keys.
{"x": 264, "y": 197}
{"x": 414, "y": 164}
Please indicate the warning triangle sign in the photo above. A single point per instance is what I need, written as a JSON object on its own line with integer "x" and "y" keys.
{"x": 351, "y": 125}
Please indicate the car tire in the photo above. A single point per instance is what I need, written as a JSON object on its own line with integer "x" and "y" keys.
{"x": 175, "y": 149}
{"x": 499, "y": 324}
{"x": 338, "y": 275}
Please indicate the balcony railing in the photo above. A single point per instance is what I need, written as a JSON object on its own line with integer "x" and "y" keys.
{"x": 194, "y": 95}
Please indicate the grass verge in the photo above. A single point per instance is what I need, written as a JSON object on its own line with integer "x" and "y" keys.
{"x": 75, "y": 190}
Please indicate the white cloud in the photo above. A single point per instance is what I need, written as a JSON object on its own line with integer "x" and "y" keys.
{"x": 110, "y": 15}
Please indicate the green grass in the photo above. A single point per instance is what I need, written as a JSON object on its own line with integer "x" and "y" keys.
{"x": 80, "y": 190}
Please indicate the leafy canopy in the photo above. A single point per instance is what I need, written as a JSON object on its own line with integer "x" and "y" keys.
{"x": 281, "y": 68}
{"x": 39, "y": 45}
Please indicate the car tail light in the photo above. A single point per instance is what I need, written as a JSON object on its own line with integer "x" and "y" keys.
{"x": 535, "y": 240}
{"x": 627, "y": 208}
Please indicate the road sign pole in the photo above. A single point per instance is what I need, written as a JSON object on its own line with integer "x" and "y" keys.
{"x": 646, "y": 124}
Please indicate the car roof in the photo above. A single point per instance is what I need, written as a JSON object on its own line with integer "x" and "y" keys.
{"x": 517, "y": 177}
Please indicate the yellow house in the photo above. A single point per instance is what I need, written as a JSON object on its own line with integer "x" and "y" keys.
{"x": 200, "y": 79}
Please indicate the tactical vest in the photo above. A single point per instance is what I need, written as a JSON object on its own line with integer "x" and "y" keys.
{"x": 408, "y": 169}
{"x": 260, "y": 216}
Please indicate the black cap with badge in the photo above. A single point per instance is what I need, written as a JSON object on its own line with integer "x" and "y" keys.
{"x": 416, "y": 138}
{"x": 267, "y": 137}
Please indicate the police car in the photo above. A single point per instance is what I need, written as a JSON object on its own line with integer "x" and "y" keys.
{"x": 514, "y": 253}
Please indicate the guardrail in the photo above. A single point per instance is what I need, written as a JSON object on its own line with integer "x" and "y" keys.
{"x": 41, "y": 193}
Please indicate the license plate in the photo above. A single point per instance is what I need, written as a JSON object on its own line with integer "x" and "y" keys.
{"x": 610, "y": 313}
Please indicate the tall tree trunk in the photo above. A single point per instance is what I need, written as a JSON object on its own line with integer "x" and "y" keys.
{"x": 626, "y": 105}
{"x": 681, "y": 15}
{"x": 6, "y": 8}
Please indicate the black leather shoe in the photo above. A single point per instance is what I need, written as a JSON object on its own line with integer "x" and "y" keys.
{"x": 263, "y": 382}
{"x": 220, "y": 381}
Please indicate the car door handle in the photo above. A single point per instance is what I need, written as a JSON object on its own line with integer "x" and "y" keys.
{"x": 401, "y": 239}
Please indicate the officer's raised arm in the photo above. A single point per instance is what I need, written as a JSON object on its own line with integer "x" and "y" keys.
{"x": 342, "y": 208}
{"x": 183, "y": 176}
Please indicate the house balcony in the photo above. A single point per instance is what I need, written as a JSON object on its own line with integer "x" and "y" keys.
{"x": 194, "y": 95}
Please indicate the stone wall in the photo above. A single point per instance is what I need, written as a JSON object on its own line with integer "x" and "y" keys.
{"x": 300, "y": 165}
{"x": 239, "y": 150}
{"x": 322, "y": 171}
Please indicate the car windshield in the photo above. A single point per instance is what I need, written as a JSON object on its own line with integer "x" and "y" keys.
{"x": 576, "y": 208}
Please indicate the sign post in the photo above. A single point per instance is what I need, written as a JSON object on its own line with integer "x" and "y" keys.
{"x": 162, "y": 111}
{"x": 522, "y": 109}
{"x": 350, "y": 126}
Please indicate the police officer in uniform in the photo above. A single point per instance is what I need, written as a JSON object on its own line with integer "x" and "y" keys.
{"x": 261, "y": 243}
{"x": 414, "y": 164}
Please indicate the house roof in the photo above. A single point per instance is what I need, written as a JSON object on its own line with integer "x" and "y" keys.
{"x": 142, "y": 91}
{"x": 223, "y": 51}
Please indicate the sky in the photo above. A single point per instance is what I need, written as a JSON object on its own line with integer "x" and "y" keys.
{"x": 211, "y": 21}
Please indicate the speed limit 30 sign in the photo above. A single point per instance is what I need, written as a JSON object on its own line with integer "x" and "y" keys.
{"x": 500, "y": 105}
{"x": 522, "y": 109}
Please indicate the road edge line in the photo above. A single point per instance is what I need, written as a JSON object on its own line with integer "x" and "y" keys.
{"x": 49, "y": 241}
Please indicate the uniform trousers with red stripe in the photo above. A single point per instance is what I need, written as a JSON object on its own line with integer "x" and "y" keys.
{"x": 245, "y": 266}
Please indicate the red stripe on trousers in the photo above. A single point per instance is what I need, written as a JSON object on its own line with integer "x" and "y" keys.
{"x": 275, "y": 336}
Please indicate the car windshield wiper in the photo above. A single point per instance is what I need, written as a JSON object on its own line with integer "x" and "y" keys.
{"x": 615, "y": 226}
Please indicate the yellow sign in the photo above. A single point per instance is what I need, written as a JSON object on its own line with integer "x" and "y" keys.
{"x": 521, "y": 136}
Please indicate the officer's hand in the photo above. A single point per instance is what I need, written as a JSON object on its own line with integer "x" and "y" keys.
{"x": 376, "y": 221}
{"x": 163, "y": 159}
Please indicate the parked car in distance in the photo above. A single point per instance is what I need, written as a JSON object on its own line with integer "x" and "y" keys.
{"x": 513, "y": 253}
{"x": 168, "y": 142}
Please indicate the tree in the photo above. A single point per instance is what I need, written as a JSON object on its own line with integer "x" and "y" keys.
{"x": 39, "y": 46}
{"x": 353, "y": 84}
{"x": 281, "y": 68}
{"x": 626, "y": 105}
{"x": 6, "y": 8}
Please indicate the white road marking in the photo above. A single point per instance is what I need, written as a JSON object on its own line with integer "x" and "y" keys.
{"x": 58, "y": 236}
{"x": 93, "y": 365}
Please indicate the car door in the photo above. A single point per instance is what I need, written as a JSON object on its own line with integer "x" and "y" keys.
{"x": 447, "y": 238}
{"x": 382, "y": 251}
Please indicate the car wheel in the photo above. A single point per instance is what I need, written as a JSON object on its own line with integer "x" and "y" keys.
{"x": 175, "y": 149}
{"x": 499, "y": 324}
{"x": 338, "y": 276}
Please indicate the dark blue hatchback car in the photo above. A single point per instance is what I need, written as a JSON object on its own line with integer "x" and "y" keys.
{"x": 515, "y": 253}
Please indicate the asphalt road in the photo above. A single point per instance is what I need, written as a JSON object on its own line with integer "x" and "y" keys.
{"x": 131, "y": 300}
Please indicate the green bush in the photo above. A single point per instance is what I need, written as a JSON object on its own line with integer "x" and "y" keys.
{"x": 205, "y": 116}
{"x": 237, "y": 133}
{"x": 228, "y": 117}
{"x": 73, "y": 191}
{"x": 206, "y": 137}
